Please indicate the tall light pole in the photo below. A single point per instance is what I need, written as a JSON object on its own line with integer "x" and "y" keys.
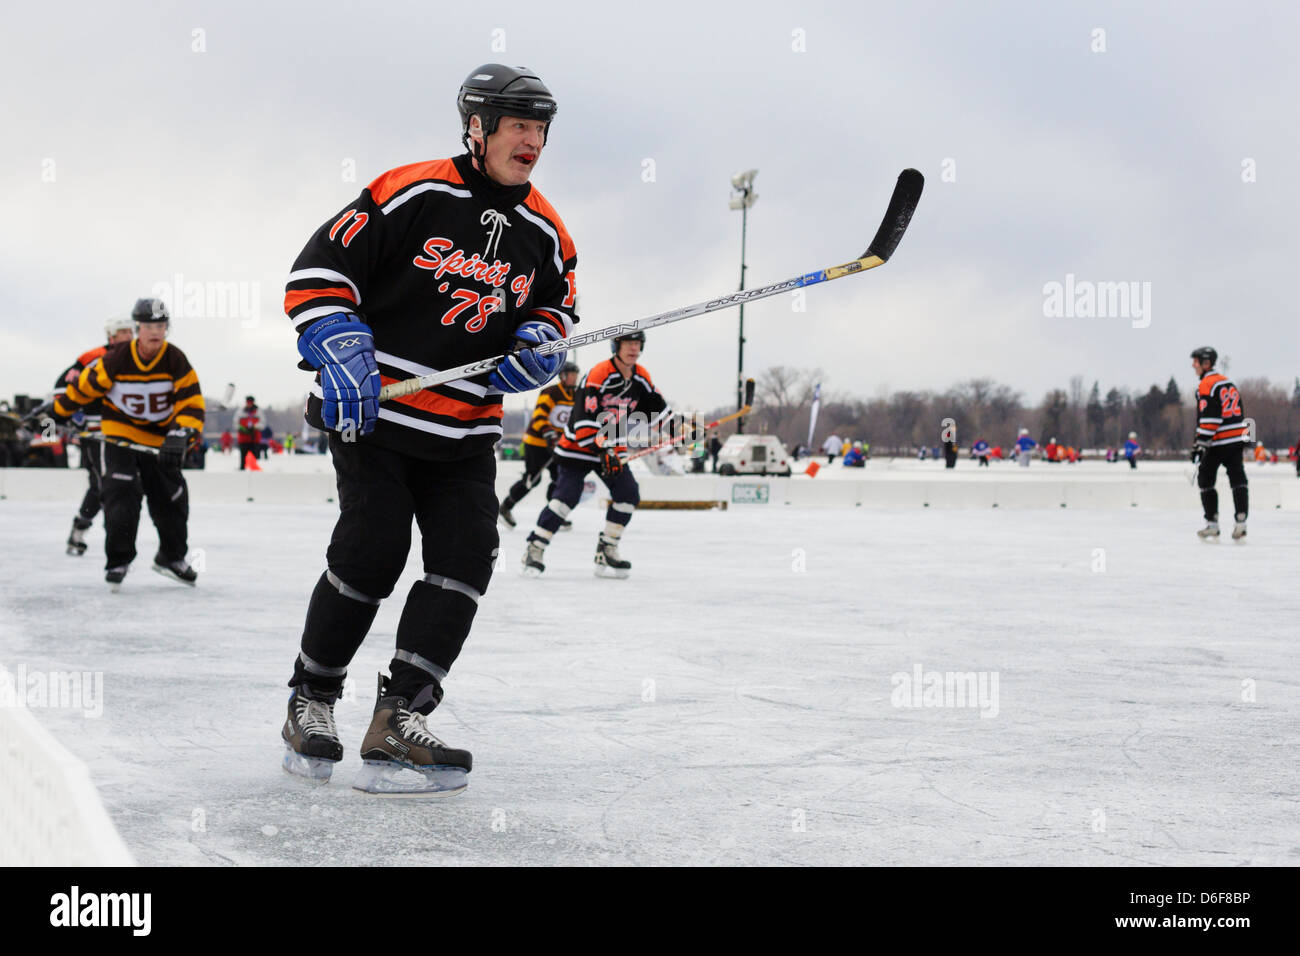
{"x": 742, "y": 197}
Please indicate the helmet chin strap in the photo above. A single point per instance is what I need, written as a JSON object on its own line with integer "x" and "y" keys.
{"x": 479, "y": 153}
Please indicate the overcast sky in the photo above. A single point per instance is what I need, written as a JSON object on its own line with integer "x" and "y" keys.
{"x": 1148, "y": 143}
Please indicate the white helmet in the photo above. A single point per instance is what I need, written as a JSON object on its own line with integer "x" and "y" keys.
{"x": 115, "y": 325}
{"x": 1024, "y": 431}
{"x": 1132, "y": 434}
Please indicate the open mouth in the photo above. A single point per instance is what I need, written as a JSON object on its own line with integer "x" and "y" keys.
{"x": 526, "y": 159}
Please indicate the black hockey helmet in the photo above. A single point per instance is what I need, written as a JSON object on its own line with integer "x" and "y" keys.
{"x": 637, "y": 336}
{"x": 569, "y": 367}
{"x": 1206, "y": 354}
{"x": 494, "y": 90}
{"x": 150, "y": 310}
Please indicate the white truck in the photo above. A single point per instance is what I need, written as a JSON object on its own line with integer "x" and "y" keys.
{"x": 753, "y": 455}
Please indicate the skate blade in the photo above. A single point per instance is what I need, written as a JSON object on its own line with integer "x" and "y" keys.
{"x": 74, "y": 550}
{"x": 530, "y": 572}
{"x": 605, "y": 571}
{"x": 300, "y": 765}
{"x": 507, "y": 522}
{"x": 114, "y": 587}
{"x": 169, "y": 573}
{"x": 385, "y": 779}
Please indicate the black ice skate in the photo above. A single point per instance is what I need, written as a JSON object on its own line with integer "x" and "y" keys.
{"x": 1210, "y": 532}
{"x": 1239, "y": 527}
{"x": 506, "y": 516}
{"x": 114, "y": 577}
{"x": 532, "y": 563}
{"x": 176, "y": 570}
{"x": 311, "y": 741}
{"x": 77, "y": 539}
{"x": 608, "y": 563}
{"x": 401, "y": 758}
{"x": 567, "y": 526}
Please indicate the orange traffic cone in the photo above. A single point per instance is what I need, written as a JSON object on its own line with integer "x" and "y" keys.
{"x": 250, "y": 462}
{"x": 813, "y": 468}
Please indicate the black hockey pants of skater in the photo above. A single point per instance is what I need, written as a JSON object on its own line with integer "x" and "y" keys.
{"x": 623, "y": 492}
{"x": 536, "y": 460}
{"x": 91, "y": 454}
{"x": 125, "y": 478}
{"x": 1230, "y": 457}
{"x": 454, "y": 504}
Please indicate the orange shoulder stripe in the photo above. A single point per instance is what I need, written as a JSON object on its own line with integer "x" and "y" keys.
{"x": 537, "y": 202}
{"x": 1208, "y": 383}
{"x": 395, "y": 180}
{"x": 85, "y": 358}
{"x": 600, "y": 372}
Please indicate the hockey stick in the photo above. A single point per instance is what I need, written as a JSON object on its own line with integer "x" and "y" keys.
{"x": 122, "y": 443}
{"x": 748, "y": 407}
{"x": 907, "y": 193}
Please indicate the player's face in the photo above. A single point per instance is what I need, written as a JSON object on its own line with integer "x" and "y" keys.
{"x": 121, "y": 335}
{"x": 514, "y": 149}
{"x": 152, "y": 334}
{"x": 629, "y": 352}
{"x": 569, "y": 379}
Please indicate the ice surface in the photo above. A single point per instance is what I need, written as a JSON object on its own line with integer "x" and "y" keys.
{"x": 729, "y": 703}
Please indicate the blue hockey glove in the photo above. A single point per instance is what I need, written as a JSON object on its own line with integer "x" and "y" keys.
{"x": 342, "y": 348}
{"x": 523, "y": 369}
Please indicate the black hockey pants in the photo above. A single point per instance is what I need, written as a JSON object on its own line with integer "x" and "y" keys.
{"x": 623, "y": 492}
{"x": 1230, "y": 457}
{"x": 126, "y": 476}
{"x": 536, "y": 460}
{"x": 454, "y": 504}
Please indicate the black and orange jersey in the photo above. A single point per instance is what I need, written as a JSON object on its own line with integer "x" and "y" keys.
{"x": 607, "y": 408}
{"x": 444, "y": 265}
{"x": 141, "y": 400}
{"x": 550, "y": 415}
{"x": 1220, "y": 417}
{"x": 92, "y": 410}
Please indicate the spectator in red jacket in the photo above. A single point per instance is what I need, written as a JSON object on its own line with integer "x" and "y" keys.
{"x": 250, "y": 432}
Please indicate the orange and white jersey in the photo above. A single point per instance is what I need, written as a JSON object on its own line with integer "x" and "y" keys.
{"x": 1220, "y": 417}
{"x": 606, "y": 407}
{"x": 443, "y": 265}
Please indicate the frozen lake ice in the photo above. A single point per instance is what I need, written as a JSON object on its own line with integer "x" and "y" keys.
{"x": 743, "y": 698}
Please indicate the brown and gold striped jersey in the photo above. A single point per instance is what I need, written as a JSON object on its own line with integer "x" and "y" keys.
{"x": 550, "y": 415}
{"x": 141, "y": 401}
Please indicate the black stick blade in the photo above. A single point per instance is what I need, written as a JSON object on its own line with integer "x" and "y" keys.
{"x": 901, "y": 207}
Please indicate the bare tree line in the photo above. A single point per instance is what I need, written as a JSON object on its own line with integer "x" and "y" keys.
{"x": 1082, "y": 415}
